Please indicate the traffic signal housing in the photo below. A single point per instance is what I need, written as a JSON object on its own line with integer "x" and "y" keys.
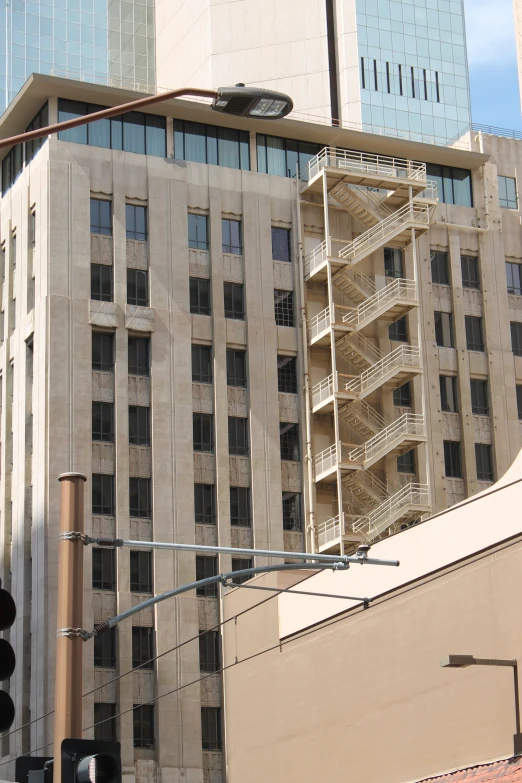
{"x": 90, "y": 761}
{"x": 7, "y": 658}
{"x": 29, "y": 769}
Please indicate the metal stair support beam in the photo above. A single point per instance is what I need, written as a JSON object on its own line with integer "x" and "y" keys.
{"x": 358, "y": 345}
{"x": 362, "y": 417}
{"x": 356, "y": 285}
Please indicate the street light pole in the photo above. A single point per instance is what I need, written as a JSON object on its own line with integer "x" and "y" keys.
{"x": 68, "y": 683}
{"x": 238, "y": 101}
{"x": 462, "y": 661}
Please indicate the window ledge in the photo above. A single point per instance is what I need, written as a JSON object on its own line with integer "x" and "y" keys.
{"x": 138, "y": 318}
{"x": 104, "y": 313}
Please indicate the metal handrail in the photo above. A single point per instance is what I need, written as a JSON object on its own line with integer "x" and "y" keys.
{"x": 399, "y": 289}
{"x": 407, "y": 424}
{"x": 328, "y": 317}
{"x": 408, "y": 355}
{"x": 430, "y": 191}
{"x": 362, "y": 410}
{"x": 383, "y": 516}
{"x": 366, "y": 163}
{"x": 361, "y": 345}
{"x": 325, "y": 388}
{"x": 412, "y": 212}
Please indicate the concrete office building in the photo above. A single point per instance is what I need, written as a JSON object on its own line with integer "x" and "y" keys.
{"x": 392, "y": 67}
{"x": 233, "y": 355}
{"x": 335, "y": 690}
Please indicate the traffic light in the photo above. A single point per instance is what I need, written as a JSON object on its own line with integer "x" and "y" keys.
{"x": 30, "y": 769}
{"x": 90, "y": 761}
{"x": 7, "y": 658}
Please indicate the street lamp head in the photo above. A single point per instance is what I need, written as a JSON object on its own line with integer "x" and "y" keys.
{"x": 253, "y": 102}
{"x": 457, "y": 661}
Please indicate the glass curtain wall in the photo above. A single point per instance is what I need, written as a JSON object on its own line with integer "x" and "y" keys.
{"x": 413, "y": 62}
{"x": 105, "y": 41}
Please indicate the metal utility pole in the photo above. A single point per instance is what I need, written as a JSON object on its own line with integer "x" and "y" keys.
{"x": 69, "y": 640}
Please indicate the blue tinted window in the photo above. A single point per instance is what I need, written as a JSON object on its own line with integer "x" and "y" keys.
{"x": 209, "y": 144}
{"x": 132, "y": 132}
{"x": 282, "y": 156}
{"x": 136, "y": 222}
{"x": 453, "y": 185}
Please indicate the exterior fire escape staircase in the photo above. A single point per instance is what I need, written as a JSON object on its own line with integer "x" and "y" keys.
{"x": 393, "y": 203}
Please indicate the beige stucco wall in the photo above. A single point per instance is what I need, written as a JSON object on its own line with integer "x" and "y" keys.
{"x": 363, "y": 697}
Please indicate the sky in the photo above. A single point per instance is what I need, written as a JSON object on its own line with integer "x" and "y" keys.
{"x": 492, "y": 59}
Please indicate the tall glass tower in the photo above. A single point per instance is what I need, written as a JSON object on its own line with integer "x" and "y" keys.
{"x": 106, "y": 41}
{"x": 413, "y": 66}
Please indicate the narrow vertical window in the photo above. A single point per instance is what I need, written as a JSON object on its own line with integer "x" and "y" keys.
{"x": 388, "y": 77}
{"x": 363, "y": 77}
{"x": 437, "y": 88}
{"x": 425, "y": 84}
{"x": 400, "y": 80}
{"x": 376, "y": 83}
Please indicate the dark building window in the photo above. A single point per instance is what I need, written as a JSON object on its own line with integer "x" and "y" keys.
{"x": 287, "y": 374}
{"x": 131, "y": 132}
{"x": 289, "y": 441}
{"x": 406, "y": 462}
{"x": 101, "y": 217}
{"x": 484, "y": 461}
{"x": 210, "y": 144}
{"x": 102, "y": 352}
{"x": 139, "y": 425}
{"x": 240, "y": 507}
{"x": 284, "y": 307}
{"x": 514, "y": 278}
{"x": 103, "y": 421}
{"x": 516, "y": 337}
{"x": 402, "y": 396}
{"x": 453, "y": 185}
{"x": 234, "y": 301}
{"x": 443, "y": 329}
{"x": 140, "y": 572}
{"x": 200, "y": 296}
{"x": 105, "y": 721}
{"x": 138, "y": 287}
{"x": 479, "y": 397}
{"x": 393, "y": 265}
{"x": 211, "y": 728}
{"x": 140, "y": 498}
{"x": 398, "y": 331}
{"x": 139, "y": 363}
{"x": 136, "y": 222}
{"x": 238, "y": 436}
{"x": 448, "y": 393}
{"x": 470, "y": 272}
{"x": 105, "y": 649}
{"x": 474, "y": 339}
{"x": 203, "y": 432}
{"x": 198, "y": 231}
{"x": 283, "y": 156}
{"x": 142, "y": 647}
{"x": 101, "y": 283}
{"x": 507, "y": 192}
{"x": 209, "y": 651}
{"x": 281, "y": 247}
{"x": 452, "y": 460}
{"x": 240, "y": 564}
{"x": 205, "y": 504}
{"x": 201, "y": 364}
{"x": 12, "y": 166}
{"x": 40, "y": 120}
{"x": 231, "y": 236}
{"x": 103, "y": 569}
{"x": 236, "y": 368}
{"x": 519, "y": 401}
{"x": 439, "y": 268}
{"x": 205, "y": 567}
{"x": 103, "y": 494}
{"x": 143, "y": 725}
{"x": 292, "y": 511}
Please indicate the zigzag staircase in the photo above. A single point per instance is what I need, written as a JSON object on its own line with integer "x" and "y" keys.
{"x": 390, "y": 199}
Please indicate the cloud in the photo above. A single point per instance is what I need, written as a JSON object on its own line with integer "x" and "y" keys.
{"x": 490, "y": 32}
